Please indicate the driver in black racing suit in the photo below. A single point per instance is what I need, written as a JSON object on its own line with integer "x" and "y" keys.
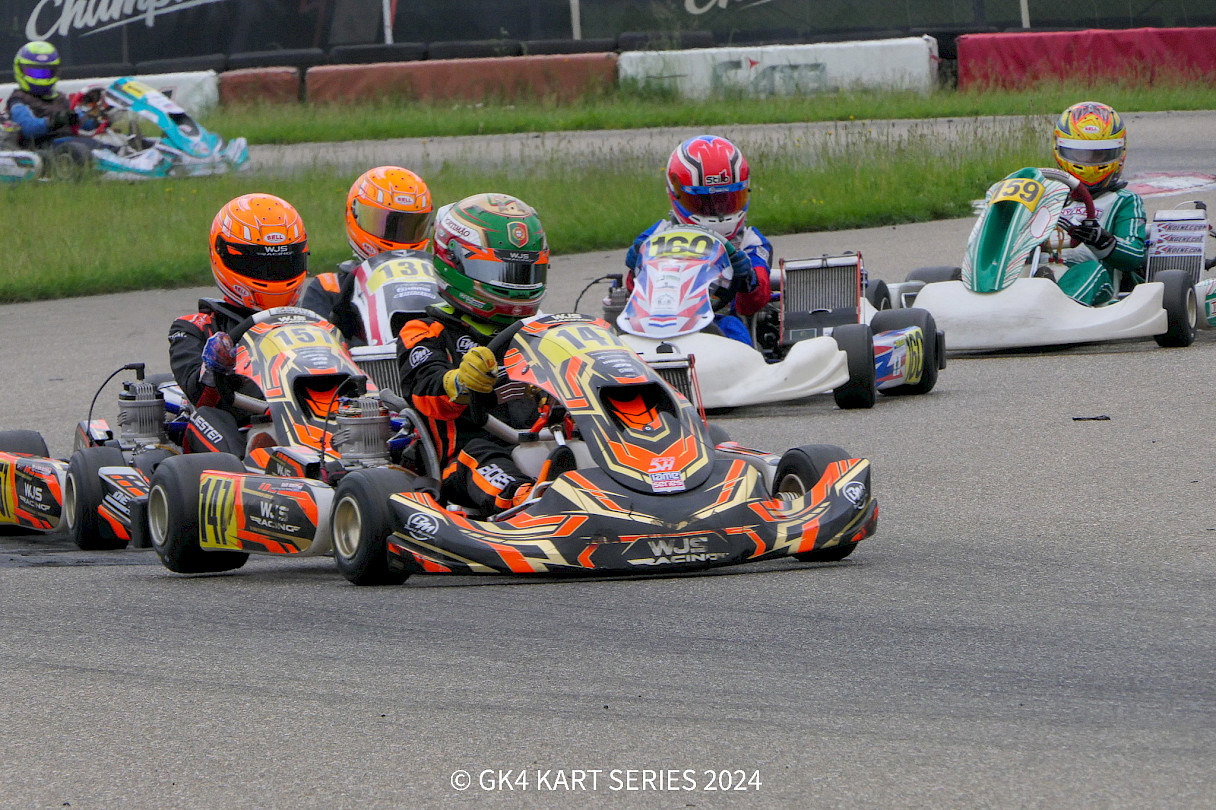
{"x": 259, "y": 258}
{"x": 491, "y": 258}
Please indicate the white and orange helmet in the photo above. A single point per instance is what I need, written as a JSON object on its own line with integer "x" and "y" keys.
{"x": 259, "y": 252}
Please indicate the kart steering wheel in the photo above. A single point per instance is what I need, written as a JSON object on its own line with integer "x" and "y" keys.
{"x": 479, "y": 411}
{"x": 1079, "y": 191}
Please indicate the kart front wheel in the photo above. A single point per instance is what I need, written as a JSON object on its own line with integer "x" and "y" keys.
{"x": 857, "y": 341}
{"x": 1181, "y": 309}
{"x": 173, "y": 501}
{"x": 362, "y": 521}
{"x": 893, "y": 319}
{"x": 878, "y": 295}
{"x": 797, "y": 473}
{"x": 82, "y": 495}
{"x": 28, "y": 442}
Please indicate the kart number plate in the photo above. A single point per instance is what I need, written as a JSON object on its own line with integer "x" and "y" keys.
{"x": 1021, "y": 190}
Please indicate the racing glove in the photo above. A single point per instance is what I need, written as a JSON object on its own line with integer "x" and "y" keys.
{"x": 477, "y": 372}
{"x": 61, "y": 119}
{"x": 744, "y": 279}
{"x": 1088, "y": 232}
{"x": 219, "y": 358}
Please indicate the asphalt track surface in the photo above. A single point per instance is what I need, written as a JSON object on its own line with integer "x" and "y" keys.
{"x": 1032, "y": 626}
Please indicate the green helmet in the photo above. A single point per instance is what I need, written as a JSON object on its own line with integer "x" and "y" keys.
{"x": 36, "y": 68}
{"x": 491, "y": 257}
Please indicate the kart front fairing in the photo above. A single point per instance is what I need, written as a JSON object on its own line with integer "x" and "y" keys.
{"x": 678, "y": 272}
{"x": 656, "y": 494}
{"x": 391, "y": 287}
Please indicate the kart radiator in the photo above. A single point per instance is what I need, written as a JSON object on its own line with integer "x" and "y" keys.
{"x": 1176, "y": 241}
{"x": 817, "y": 294}
{"x": 678, "y": 372}
{"x": 379, "y": 363}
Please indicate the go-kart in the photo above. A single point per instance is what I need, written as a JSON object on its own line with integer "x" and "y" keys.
{"x": 1005, "y": 295}
{"x": 628, "y": 480}
{"x": 98, "y": 494}
{"x": 142, "y": 134}
{"x": 821, "y": 334}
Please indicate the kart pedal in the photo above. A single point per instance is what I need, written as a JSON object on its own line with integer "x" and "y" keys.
{"x": 560, "y": 460}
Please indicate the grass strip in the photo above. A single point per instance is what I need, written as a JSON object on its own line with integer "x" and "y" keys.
{"x": 128, "y": 236}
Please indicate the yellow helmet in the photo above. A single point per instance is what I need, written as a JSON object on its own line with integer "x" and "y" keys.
{"x": 1091, "y": 144}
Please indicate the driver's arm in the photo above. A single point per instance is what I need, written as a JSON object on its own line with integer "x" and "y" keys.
{"x": 1127, "y": 225}
{"x": 423, "y": 361}
{"x": 187, "y": 336}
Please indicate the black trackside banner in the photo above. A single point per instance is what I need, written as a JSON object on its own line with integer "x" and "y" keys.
{"x": 132, "y": 31}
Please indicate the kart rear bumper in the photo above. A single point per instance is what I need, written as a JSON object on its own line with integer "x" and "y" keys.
{"x": 1036, "y": 312}
{"x": 733, "y": 374}
{"x": 585, "y": 524}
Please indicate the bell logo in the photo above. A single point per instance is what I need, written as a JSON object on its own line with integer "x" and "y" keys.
{"x": 275, "y": 238}
{"x": 517, "y": 232}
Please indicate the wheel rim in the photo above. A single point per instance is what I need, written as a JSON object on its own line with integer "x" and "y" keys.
{"x": 69, "y": 501}
{"x": 158, "y": 516}
{"x": 1192, "y": 310}
{"x": 791, "y": 487}
{"x": 348, "y": 528}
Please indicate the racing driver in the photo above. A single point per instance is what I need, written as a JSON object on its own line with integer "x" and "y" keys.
{"x": 491, "y": 257}
{"x": 259, "y": 258}
{"x": 1091, "y": 144}
{"x": 707, "y": 184}
{"x": 387, "y": 208}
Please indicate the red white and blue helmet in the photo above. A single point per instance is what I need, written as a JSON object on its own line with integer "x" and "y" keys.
{"x": 707, "y": 184}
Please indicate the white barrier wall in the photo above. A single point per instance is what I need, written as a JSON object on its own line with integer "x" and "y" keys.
{"x": 196, "y": 92}
{"x": 894, "y": 64}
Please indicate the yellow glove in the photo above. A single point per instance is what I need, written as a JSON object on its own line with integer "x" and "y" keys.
{"x": 478, "y": 372}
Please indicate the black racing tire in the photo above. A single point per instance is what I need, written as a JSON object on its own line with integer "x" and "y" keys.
{"x": 878, "y": 295}
{"x": 932, "y": 275}
{"x": 173, "y": 514}
{"x": 361, "y": 522}
{"x": 857, "y": 341}
{"x": 798, "y": 471}
{"x": 70, "y": 160}
{"x": 82, "y": 495}
{"x": 29, "y": 442}
{"x": 1181, "y": 309}
{"x": 901, "y": 319}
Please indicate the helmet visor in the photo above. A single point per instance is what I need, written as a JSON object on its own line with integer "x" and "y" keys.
{"x": 42, "y": 73}
{"x": 517, "y": 269}
{"x": 1090, "y": 157}
{"x": 264, "y": 262}
{"x": 713, "y": 201}
{"x": 407, "y": 227}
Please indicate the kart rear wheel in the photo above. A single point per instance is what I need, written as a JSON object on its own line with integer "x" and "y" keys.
{"x": 878, "y": 295}
{"x": 933, "y": 275}
{"x": 82, "y": 495}
{"x": 29, "y": 442}
{"x": 362, "y": 521}
{"x": 173, "y": 514}
{"x": 798, "y": 471}
{"x": 857, "y": 341}
{"x": 1181, "y": 309}
{"x": 901, "y": 319}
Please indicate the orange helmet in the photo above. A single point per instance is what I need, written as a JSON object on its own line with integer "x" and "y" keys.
{"x": 259, "y": 252}
{"x": 388, "y": 208}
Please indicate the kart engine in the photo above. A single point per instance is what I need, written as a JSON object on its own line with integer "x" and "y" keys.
{"x": 141, "y": 413}
{"x": 363, "y": 430}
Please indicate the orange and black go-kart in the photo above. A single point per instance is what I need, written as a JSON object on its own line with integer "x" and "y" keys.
{"x": 315, "y": 424}
{"x": 628, "y": 480}
{"x": 98, "y": 494}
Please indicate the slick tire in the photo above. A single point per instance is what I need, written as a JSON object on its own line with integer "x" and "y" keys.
{"x": 361, "y": 522}
{"x": 933, "y": 275}
{"x": 29, "y": 442}
{"x": 82, "y": 495}
{"x": 798, "y": 471}
{"x": 1181, "y": 309}
{"x": 878, "y": 295}
{"x": 173, "y": 514}
{"x": 857, "y": 341}
{"x": 891, "y": 319}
